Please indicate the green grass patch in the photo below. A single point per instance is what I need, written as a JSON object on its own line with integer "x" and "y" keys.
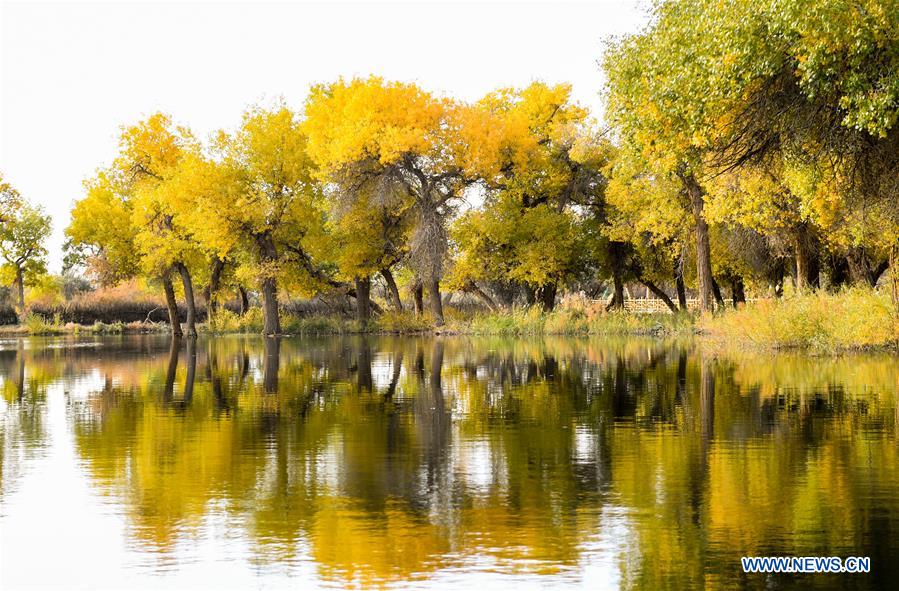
{"x": 574, "y": 321}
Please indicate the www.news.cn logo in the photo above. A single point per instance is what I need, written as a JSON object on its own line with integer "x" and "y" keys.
{"x": 806, "y": 564}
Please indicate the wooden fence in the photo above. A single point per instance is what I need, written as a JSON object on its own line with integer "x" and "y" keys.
{"x": 655, "y": 305}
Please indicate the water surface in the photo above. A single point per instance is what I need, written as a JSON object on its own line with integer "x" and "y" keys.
{"x": 468, "y": 463}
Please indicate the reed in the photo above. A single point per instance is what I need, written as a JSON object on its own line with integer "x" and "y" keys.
{"x": 854, "y": 318}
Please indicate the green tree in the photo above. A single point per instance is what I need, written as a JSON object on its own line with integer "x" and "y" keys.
{"x": 10, "y": 201}
{"x": 23, "y": 250}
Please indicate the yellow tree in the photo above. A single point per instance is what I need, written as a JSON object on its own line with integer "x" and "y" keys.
{"x": 267, "y": 202}
{"x": 648, "y": 212}
{"x": 540, "y": 161}
{"x": 197, "y": 182}
{"x": 406, "y": 139}
{"x": 150, "y": 153}
{"x": 370, "y": 234}
{"x": 102, "y": 229}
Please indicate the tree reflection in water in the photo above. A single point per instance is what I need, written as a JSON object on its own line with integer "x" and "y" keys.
{"x": 384, "y": 460}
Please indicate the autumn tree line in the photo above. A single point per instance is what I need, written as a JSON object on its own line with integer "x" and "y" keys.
{"x": 746, "y": 147}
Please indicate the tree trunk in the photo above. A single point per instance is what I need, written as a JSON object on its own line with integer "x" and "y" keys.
{"x": 616, "y": 261}
{"x": 548, "y": 296}
{"x": 894, "y": 275}
{"x": 271, "y": 321}
{"x": 838, "y": 270}
{"x": 716, "y": 290}
{"x": 807, "y": 264}
{"x": 393, "y": 291}
{"x": 659, "y": 294}
{"x": 737, "y": 291}
{"x": 530, "y": 295}
{"x": 418, "y": 298}
{"x": 215, "y": 282}
{"x": 268, "y": 254}
{"x": 395, "y": 378}
{"x": 617, "y": 301}
{"x": 801, "y": 266}
{"x": 243, "y": 301}
{"x": 703, "y": 250}
{"x": 879, "y": 270}
{"x": 172, "y": 305}
{"x": 681, "y": 290}
{"x": 860, "y": 267}
{"x": 436, "y": 303}
{"x": 363, "y": 300}
{"x": 188, "y": 284}
{"x": 20, "y": 289}
{"x": 474, "y": 288}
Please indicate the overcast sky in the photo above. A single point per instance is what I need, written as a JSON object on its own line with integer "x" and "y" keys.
{"x": 72, "y": 73}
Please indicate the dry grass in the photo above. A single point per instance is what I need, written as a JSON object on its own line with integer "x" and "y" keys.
{"x": 851, "y": 319}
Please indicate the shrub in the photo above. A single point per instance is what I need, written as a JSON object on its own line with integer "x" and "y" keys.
{"x": 125, "y": 303}
{"x": 402, "y": 322}
{"x": 38, "y": 325}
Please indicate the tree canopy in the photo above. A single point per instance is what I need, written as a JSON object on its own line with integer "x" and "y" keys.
{"x": 750, "y": 146}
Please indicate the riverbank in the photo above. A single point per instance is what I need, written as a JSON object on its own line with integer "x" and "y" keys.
{"x": 821, "y": 322}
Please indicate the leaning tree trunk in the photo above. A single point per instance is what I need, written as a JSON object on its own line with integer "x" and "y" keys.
{"x": 188, "y": 284}
{"x": 172, "y": 305}
{"x": 703, "y": 249}
{"x": 393, "y": 291}
{"x": 215, "y": 283}
{"x": 474, "y": 288}
{"x": 436, "y": 303}
{"x": 363, "y": 299}
{"x": 716, "y": 291}
{"x": 268, "y": 254}
{"x": 243, "y": 301}
{"x": 659, "y": 293}
{"x": 20, "y": 289}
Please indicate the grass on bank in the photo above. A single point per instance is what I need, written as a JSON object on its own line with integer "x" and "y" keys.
{"x": 573, "y": 321}
{"x": 823, "y": 322}
{"x": 37, "y": 325}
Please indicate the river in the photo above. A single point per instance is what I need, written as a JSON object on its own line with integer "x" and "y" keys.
{"x": 241, "y": 462}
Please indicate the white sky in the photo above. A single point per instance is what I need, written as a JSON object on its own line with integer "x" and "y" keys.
{"x": 72, "y": 73}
